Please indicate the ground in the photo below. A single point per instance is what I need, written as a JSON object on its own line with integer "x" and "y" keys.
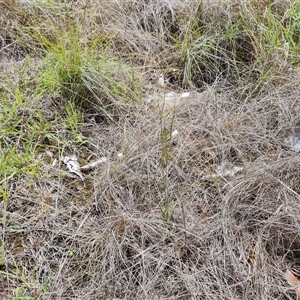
{"x": 182, "y": 190}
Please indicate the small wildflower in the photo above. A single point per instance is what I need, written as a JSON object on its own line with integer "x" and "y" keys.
{"x": 54, "y": 163}
{"x": 161, "y": 80}
{"x": 184, "y": 95}
{"x": 175, "y": 133}
{"x": 120, "y": 155}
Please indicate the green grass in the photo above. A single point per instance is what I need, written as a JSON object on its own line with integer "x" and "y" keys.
{"x": 19, "y": 132}
{"x": 85, "y": 72}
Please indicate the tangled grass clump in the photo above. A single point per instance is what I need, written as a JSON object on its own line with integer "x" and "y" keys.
{"x": 195, "y": 194}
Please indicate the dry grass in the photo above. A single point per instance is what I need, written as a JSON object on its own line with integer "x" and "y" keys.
{"x": 162, "y": 221}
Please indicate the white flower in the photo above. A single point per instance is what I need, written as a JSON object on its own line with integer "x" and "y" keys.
{"x": 184, "y": 95}
{"x": 175, "y": 133}
{"x": 161, "y": 80}
{"x": 120, "y": 155}
{"x": 54, "y": 163}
